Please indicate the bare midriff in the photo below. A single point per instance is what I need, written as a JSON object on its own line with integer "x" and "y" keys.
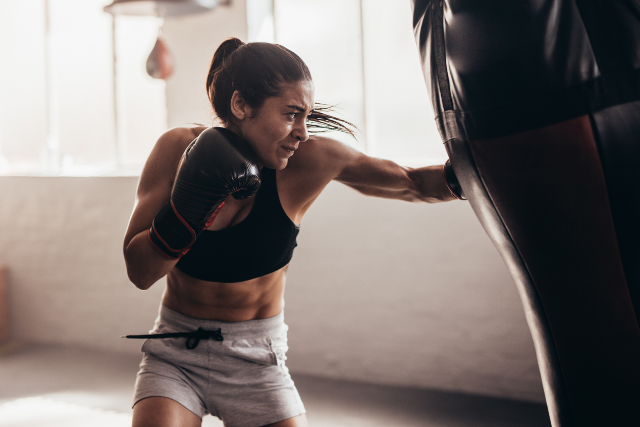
{"x": 258, "y": 298}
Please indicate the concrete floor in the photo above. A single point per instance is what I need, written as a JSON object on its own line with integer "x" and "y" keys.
{"x": 52, "y": 386}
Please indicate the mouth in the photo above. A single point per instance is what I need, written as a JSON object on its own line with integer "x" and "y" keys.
{"x": 288, "y": 150}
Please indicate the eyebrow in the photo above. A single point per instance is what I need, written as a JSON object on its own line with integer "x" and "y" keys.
{"x": 295, "y": 107}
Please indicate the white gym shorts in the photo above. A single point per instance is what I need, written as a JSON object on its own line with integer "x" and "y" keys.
{"x": 242, "y": 379}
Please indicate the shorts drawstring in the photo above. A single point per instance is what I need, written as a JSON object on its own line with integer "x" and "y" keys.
{"x": 193, "y": 338}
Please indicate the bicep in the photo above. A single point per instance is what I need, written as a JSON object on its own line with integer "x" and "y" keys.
{"x": 322, "y": 160}
{"x": 154, "y": 186}
{"x": 146, "y": 206}
{"x": 362, "y": 172}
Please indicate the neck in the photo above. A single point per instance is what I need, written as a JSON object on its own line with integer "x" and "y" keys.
{"x": 236, "y": 129}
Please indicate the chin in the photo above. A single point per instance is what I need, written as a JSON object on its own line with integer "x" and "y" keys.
{"x": 277, "y": 164}
{"x": 282, "y": 164}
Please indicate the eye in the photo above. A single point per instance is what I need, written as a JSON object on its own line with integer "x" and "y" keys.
{"x": 292, "y": 115}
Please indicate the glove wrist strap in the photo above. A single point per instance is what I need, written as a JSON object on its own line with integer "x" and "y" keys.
{"x": 171, "y": 234}
{"x": 452, "y": 181}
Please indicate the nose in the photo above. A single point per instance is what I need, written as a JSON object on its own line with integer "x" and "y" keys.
{"x": 300, "y": 131}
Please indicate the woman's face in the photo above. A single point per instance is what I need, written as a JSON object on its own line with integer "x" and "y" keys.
{"x": 275, "y": 130}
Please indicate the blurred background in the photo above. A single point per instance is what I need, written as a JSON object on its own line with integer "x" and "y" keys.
{"x": 379, "y": 292}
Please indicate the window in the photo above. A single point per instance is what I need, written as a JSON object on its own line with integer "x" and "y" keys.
{"x": 363, "y": 58}
{"x": 62, "y": 112}
{"x": 59, "y": 113}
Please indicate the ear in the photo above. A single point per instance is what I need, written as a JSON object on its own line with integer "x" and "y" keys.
{"x": 239, "y": 108}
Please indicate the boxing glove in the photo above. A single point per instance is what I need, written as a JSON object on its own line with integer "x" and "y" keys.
{"x": 217, "y": 164}
{"x": 452, "y": 181}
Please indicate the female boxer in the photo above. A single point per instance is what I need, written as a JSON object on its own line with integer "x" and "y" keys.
{"x": 256, "y": 176}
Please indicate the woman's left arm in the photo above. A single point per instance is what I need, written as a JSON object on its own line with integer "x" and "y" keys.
{"x": 383, "y": 178}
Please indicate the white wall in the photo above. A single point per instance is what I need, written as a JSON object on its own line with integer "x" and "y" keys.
{"x": 378, "y": 291}
{"x": 409, "y": 294}
{"x": 62, "y": 245}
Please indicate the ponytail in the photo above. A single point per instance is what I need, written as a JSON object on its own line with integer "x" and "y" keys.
{"x": 219, "y": 83}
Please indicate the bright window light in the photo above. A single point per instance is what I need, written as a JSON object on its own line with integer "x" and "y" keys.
{"x": 330, "y": 45}
{"x": 23, "y": 104}
{"x": 364, "y": 59}
{"x": 57, "y": 113}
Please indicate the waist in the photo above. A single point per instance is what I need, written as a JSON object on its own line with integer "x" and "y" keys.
{"x": 257, "y": 298}
{"x": 170, "y": 320}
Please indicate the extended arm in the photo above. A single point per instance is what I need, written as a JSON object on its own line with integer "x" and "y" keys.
{"x": 383, "y": 178}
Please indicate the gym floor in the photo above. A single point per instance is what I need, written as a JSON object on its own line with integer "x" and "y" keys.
{"x": 53, "y": 386}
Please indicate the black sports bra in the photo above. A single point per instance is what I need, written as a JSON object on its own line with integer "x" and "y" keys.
{"x": 260, "y": 244}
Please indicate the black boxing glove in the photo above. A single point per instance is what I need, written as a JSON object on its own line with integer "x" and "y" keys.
{"x": 452, "y": 181}
{"x": 218, "y": 163}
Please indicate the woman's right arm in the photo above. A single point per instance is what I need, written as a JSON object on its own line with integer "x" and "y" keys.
{"x": 145, "y": 264}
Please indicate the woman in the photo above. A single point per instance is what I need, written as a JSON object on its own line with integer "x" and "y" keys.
{"x": 228, "y": 280}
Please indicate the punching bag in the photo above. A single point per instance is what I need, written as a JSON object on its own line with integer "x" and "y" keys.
{"x": 538, "y": 105}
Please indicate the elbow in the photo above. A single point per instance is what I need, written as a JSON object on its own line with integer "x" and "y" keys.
{"x": 140, "y": 282}
{"x": 140, "y": 279}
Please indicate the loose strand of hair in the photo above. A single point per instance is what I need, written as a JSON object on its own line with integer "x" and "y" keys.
{"x": 319, "y": 120}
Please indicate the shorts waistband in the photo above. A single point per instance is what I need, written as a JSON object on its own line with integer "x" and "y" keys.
{"x": 245, "y": 329}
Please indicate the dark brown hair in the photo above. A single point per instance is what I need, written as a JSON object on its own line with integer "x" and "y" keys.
{"x": 258, "y": 71}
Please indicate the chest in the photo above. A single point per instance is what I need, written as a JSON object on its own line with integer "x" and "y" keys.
{"x": 255, "y": 237}
{"x": 232, "y": 213}
{"x": 236, "y": 211}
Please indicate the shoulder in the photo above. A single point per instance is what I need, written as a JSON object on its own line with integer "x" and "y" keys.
{"x": 178, "y": 138}
{"x": 161, "y": 165}
{"x": 322, "y": 145}
{"x": 316, "y": 162}
{"x": 322, "y": 153}
{"x": 173, "y": 142}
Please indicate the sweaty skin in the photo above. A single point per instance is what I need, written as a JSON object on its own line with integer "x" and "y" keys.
{"x": 305, "y": 165}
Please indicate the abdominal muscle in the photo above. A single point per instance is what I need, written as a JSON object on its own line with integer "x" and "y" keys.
{"x": 258, "y": 298}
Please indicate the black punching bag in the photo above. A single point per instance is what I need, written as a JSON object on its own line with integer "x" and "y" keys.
{"x": 538, "y": 105}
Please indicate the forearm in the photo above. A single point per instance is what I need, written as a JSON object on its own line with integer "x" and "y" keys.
{"x": 395, "y": 194}
{"x": 426, "y": 184}
{"x": 384, "y": 178}
{"x": 145, "y": 264}
{"x": 429, "y": 184}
